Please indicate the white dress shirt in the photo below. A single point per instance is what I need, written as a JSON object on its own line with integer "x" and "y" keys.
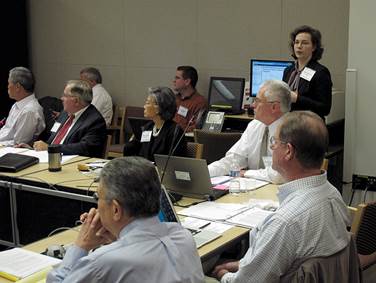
{"x": 245, "y": 153}
{"x": 24, "y": 123}
{"x": 103, "y": 102}
{"x": 146, "y": 251}
{"x": 310, "y": 222}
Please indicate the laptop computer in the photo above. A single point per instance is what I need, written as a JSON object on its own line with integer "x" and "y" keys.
{"x": 167, "y": 214}
{"x": 137, "y": 124}
{"x": 187, "y": 176}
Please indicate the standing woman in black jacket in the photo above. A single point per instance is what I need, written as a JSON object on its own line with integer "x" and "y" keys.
{"x": 309, "y": 81}
{"x": 161, "y": 134}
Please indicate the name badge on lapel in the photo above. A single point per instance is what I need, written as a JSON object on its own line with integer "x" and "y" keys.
{"x": 307, "y": 74}
{"x": 146, "y": 136}
{"x": 55, "y": 127}
{"x": 183, "y": 111}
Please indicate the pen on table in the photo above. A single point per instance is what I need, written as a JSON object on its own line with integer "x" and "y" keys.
{"x": 206, "y": 225}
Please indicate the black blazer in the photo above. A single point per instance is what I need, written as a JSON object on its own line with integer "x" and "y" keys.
{"x": 160, "y": 144}
{"x": 88, "y": 135}
{"x": 314, "y": 95}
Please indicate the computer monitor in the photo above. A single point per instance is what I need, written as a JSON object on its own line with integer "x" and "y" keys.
{"x": 263, "y": 70}
{"x": 226, "y": 94}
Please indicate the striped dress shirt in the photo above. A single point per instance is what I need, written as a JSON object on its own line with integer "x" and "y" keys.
{"x": 311, "y": 221}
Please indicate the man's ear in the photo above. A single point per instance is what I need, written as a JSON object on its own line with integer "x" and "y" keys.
{"x": 290, "y": 151}
{"x": 187, "y": 82}
{"x": 117, "y": 210}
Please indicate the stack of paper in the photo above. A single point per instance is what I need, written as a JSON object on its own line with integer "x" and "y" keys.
{"x": 17, "y": 263}
{"x": 213, "y": 210}
{"x": 250, "y": 218}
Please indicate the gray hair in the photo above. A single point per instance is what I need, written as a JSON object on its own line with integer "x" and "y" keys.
{"x": 277, "y": 90}
{"x": 81, "y": 89}
{"x": 24, "y": 77}
{"x": 134, "y": 182}
{"x": 166, "y": 101}
{"x": 308, "y": 134}
{"x": 92, "y": 74}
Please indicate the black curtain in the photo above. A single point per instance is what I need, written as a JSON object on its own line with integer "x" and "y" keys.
{"x": 13, "y": 25}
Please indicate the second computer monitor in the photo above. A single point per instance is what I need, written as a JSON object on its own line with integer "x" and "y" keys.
{"x": 263, "y": 70}
{"x": 226, "y": 94}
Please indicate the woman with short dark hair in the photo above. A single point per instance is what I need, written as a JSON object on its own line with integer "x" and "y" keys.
{"x": 309, "y": 81}
{"x": 161, "y": 135}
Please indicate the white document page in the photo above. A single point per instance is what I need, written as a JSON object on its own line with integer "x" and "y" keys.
{"x": 43, "y": 155}
{"x": 250, "y": 218}
{"x": 22, "y": 263}
{"x": 213, "y": 211}
{"x": 249, "y": 184}
{"x": 8, "y": 149}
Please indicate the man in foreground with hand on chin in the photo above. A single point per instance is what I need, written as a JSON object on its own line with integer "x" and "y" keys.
{"x": 145, "y": 250}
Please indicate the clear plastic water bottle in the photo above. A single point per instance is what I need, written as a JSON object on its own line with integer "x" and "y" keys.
{"x": 234, "y": 170}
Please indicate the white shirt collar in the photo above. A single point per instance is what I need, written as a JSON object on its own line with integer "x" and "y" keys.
{"x": 21, "y": 103}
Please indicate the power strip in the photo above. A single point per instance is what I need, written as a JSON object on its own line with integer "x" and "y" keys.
{"x": 362, "y": 182}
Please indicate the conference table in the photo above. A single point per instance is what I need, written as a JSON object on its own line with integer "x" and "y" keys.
{"x": 60, "y": 197}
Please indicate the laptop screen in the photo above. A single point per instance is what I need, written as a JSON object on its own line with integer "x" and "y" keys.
{"x": 167, "y": 211}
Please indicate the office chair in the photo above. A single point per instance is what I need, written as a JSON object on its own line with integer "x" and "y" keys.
{"x": 215, "y": 144}
{"x": 364, "y": 229}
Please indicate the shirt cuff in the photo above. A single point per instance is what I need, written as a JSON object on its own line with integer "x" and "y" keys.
{"x": 73, "y": 254}
{"x": 227, "y": 277}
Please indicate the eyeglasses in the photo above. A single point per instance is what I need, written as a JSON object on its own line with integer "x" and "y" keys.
{"x": 257, "y": 100}
{"x": 95, "y": 197}
{"x": 273, "y": 141}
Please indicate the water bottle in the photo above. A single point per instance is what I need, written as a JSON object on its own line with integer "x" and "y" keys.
{"x": 234, "y": 170}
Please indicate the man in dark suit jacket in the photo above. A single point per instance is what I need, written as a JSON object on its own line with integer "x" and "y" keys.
{"x": 80, "y": 128}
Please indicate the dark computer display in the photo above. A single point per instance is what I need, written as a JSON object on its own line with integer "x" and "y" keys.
{"x": 226, "y": 94}
{"x": 263, "y": 70}
{"x": 167, "y": 212}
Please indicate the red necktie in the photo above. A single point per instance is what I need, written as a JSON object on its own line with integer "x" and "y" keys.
{"x": 63, "y": 131}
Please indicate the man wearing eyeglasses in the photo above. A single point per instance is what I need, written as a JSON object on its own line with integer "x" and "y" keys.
{"x": 144, "y": 249}
{"x": 80, "y": 128}
{"x": 252, "y": 152}
{"x": 312, "y": 218}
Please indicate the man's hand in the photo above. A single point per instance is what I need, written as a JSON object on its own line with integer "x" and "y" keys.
{"x": 294, "y": 96}
{"x": 102, "y": 232}
{"x": 55, "y": 114}
{"x": 40, "y": 145}
{"x": 222, "y": 269}
{"x": 87, "y": 238}
{"x": 23, "y": 145}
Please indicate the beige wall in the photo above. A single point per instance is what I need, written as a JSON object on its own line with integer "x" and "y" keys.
{"x": 138, "y": 43}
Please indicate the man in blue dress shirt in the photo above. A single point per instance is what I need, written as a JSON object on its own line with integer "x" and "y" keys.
{"x": 144, "y": 249}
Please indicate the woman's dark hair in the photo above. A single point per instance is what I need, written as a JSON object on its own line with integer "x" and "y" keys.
{"x": 166, "y": 101}
{"x": 315, "y": 38}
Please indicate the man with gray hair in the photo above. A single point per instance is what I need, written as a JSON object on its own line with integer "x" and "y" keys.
{"x": 252, "y": 151}
{"x": 101, "y": 98}
{"x": 312, "y": 218}
{"x": 145, "y": 249}
{"x": 80, "y": 128}
{"x": 26, "y": 120}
